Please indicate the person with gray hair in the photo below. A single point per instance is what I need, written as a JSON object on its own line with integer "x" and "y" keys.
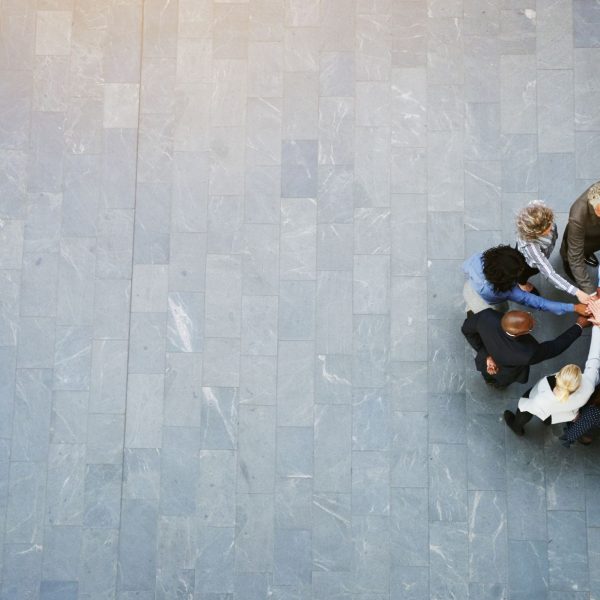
{"x": 536, "y": 238}
{"x": 582, "y": 238}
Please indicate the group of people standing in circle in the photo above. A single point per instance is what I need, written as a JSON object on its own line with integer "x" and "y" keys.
{"x": 502, "y": 338}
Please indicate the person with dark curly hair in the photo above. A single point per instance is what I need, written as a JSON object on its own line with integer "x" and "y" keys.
{"x": 493, "y": 278}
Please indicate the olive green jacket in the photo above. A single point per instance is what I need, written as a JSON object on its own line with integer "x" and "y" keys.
{"x": 581, "y": 238}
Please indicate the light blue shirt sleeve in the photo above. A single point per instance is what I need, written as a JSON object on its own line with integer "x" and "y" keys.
{"x": 539, "y": 303}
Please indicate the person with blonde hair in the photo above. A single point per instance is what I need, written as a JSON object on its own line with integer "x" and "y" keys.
{"x": 557, "y": 398}
{"x": 536, "y": 238}
{"x": 582, "y": 238}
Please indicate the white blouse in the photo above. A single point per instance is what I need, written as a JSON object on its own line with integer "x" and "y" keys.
{"x": 543, "y": 403}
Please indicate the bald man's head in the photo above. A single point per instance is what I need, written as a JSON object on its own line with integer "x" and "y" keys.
{"x": 517, "y": 322}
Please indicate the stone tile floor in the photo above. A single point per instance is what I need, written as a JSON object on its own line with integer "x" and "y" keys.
{"x": 230, "y": 248}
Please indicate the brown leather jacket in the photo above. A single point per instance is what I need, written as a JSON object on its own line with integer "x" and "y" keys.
{"x": 581, "y": 238}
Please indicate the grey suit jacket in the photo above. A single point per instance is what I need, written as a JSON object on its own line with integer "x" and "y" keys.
{"x": 581, "y": 238}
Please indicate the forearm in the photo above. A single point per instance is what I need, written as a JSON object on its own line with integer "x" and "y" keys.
{"x": 554, "y": 347}
{"x": 547, "y": 270}
{"x": 539, "y": 303}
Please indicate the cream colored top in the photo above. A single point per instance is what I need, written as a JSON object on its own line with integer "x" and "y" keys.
{"x": 543, "y": 403}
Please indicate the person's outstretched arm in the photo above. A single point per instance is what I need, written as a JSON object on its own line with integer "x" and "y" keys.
{"x": 554, "y": 347}
{"x": 539, "y": 303}
{"x": 547, "y": 270}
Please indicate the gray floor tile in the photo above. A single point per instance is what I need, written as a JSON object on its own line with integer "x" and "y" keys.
{"x": 409, "y": 522}
{"x": 487, "y": 529}
{"x": 370, "y": 420}
{"x": 448, "y": 559}
{"x": 35, "y": 348}
{"x": 486, "y": 453}
{"x": 215, "y": 558}
{"x": 24, "y": 513}
{"x": 293, "y": 503}
{"x": 409, "y": 459}
{"x": 254, "y": 532}
{"x": 585, "y": 17}
{"x": 518, "y": 88}
{"x": 298, "y": 247}
{"x": 105, "y": 439}
{"x": 256, "y": 444}
{"x": 332, "y": 443}
{"x": 102, "y": 496}
{"x": 138, "y": 533}
{"x": 22, "y": 566}
{"x": 99, "y": 555}
{"x": 371, "y": 554}
{"x": 108, "y": 385}
{"x": 296, "y": 311}
{"x": 568, "y": 569}
{"x": 295, "y": 383}
{"x": 76, "y": 287}
{"x": 178, "y": 454}
{"x": 370, "y": 492}
{"x": 61, "y": 563}
{"x": 333, "y": 379}
{"x": 65, "y": 484}
{"x": 216, "y": 487}
{"x": 31, "y": 415}
{"x": 144, "y": 413}
{"x": 447, "y": 482}
{"x": 258, "y": 380}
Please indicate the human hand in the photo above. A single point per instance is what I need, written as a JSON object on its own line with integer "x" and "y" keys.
{"x": 582, "y": 309}
{"x": 594, "y": 308}
{"x": 526, "y": 287}
{"x": 583, "y": 322}
{"x": 583, "y": 297}
{"x": 491, "y": 366}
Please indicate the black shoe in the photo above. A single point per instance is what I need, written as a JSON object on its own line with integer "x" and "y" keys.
{"x": 509, "y": 419}
{"x": 591, "y": 260}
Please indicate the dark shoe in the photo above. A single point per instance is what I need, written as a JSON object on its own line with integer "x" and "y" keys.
{"x": 585, "y": 440}
{"x": 591, "y": 260}
{"x": 509, "y": 419}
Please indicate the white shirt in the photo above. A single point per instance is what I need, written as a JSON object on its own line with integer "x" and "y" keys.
{"x": 543, "y": 403}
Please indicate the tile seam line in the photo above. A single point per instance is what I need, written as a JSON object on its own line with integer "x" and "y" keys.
{"x": 137, "y": 144}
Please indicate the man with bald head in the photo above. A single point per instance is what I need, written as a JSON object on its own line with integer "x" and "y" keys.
{"x": 505, "y": 347}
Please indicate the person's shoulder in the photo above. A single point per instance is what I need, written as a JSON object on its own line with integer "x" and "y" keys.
{"x": 586, "y": 388}
{"x": 579, "y": 208}
{"x": 490, "y": 317}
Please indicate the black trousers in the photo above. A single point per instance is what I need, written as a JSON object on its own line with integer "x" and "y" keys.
{"x": 521, "y": 419}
